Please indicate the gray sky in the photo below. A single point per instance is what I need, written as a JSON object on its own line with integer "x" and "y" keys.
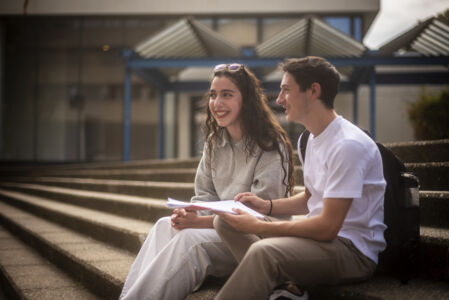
{"x": 397, "y": 16}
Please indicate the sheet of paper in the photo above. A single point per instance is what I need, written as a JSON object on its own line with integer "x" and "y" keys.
{"x": 223, "y": 206}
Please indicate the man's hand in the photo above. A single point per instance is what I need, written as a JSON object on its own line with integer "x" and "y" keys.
{"x": 184, "y": 218}
{"x": 242, "y": 221}
{"x": 256, "y": 203}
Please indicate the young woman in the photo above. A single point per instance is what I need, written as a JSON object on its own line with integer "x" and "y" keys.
{"x": 245, "y": 150}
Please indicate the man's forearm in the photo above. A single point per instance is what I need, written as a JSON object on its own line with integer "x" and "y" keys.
{"x": 294, "y": 205}
{"x": 312, "y": 228}
{"x": 323, "y": 227}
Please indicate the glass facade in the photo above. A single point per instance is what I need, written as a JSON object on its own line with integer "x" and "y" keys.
{"x": 63, "y": 93}
{"x": 351, "y": 25}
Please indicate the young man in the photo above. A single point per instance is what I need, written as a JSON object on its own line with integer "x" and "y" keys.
{"x": 342, "y": 234}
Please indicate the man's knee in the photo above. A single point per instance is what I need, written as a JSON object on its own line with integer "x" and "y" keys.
{"x": 221, "y": 226}
{"x": 261, "y": 251}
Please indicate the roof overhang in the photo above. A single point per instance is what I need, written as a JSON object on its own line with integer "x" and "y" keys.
{"x": 428, "y": 38}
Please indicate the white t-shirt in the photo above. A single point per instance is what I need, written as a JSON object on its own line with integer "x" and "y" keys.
{"x": 344, "y": 162}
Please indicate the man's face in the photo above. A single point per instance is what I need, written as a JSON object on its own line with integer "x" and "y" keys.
{"x": 294, "y": 101}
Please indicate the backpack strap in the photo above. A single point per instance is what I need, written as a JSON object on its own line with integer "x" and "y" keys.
{"x": 303, "y": 139}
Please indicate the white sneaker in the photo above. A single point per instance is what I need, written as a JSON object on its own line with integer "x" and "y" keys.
{"x": 283, "y": 294}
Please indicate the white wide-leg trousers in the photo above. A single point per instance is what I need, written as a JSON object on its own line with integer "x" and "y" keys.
{"x": 173, "y": 263}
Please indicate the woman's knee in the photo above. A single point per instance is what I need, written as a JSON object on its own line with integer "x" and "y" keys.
{"x": 164, "y": 221}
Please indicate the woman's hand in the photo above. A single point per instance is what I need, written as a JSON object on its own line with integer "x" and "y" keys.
{"x": 256, "y": 203}
{"x": 184, "y": 218}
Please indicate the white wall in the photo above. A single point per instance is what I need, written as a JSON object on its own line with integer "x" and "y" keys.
{"x": 168, "y": 7}
{"x": 392, "y": 122}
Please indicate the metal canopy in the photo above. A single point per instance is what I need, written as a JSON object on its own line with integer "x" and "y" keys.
{"x": 310, "y": 36}
{"x": 428, "y": 38}
{"x": 186, "y": 38}
{"x": 190, "y": 44}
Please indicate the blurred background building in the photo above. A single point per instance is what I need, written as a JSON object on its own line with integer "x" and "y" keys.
{"x": 62, "y": 68}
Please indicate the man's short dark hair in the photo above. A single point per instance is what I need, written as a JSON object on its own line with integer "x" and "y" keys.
{"x": 310, "y": 69}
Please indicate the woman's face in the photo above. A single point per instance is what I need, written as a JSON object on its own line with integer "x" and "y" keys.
{"x": 225, "y": 104}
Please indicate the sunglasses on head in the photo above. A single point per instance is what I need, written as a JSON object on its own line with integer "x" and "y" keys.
{"x": 229, "y": 67}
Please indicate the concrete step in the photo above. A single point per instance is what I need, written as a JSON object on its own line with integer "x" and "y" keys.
{"x": 147, "y": 189}
{"x": 207, "y": 292}
{"x": 434, "y": 204}
{"x": 379, "y": 287}
{"x": 126, "y": 233}
{"x": 434, "y": 208}
{"x": 167, "y": 174}
{"x": 98, "y": 266}
{"x": 123, "y": 205}
{"x": 21, "y": 169}
{"x": 142, "y": 164}
{"x": 24, "y": 274}
{"x": 382, "y": 287}
{"x": 150, "y": 189}
{"x": 421, "y": 151}
{"x": 434, "y": 232}
{"x": 431, "y": 175}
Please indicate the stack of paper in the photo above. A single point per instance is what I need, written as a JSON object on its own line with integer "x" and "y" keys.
{"x": 222, "y": 206}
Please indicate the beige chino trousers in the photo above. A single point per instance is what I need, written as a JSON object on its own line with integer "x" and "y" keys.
{"x": 265, "y": 263}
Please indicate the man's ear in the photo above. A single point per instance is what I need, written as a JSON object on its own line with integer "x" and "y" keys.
{"x": 315, "y": 88}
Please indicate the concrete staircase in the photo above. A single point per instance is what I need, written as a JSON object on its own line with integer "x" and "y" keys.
{"x": 72, "y": 231}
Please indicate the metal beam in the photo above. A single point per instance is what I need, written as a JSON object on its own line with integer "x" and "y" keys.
{"x": 153, "y": 77}
{"x": 413, "y": 78}
{"x": 372, "y": 101}
{"x": 161, "y": 130}
{"x": 252, "y": 62}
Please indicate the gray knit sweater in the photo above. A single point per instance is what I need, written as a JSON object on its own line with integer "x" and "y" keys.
{"x": 232, "y": 171}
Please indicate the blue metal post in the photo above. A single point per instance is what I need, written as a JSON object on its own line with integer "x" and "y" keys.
{"x": 127, "y": 115}
{"x": 355, "y": 105}
{"x": 372, "y": 94}
{"x": 161, "y": 130}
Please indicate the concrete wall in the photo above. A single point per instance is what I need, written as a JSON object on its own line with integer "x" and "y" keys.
{"x": 196, "y": 7}
{"x": 367, "y": 8}
{"x": 392, "y": 122}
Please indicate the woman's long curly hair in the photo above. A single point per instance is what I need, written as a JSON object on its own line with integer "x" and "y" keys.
{"x": 259, "y": 127}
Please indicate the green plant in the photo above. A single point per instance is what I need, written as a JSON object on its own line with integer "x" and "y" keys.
{"x": 430, "y": 116}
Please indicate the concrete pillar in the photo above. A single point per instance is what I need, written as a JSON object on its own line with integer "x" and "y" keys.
{"x": 355, "y": 105}
{"x": 170, "y": 125}
{"x": 184, "y": 125}
{"x": 127, "y": 115}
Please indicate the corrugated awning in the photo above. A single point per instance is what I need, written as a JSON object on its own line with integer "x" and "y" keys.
{"x": 428, "y": 38}
{"x": 186, "y": 38}
{"x": 311, "y": 36}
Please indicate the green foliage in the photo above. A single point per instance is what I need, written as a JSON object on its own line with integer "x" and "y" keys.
{"x": 430, "y": 116}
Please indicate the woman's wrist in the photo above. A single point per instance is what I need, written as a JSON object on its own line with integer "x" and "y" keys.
{"x": 205, "y": 222}
{"x": 270, "y": 207}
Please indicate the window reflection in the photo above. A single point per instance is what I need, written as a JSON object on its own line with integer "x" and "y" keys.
{"x": 350, "y": 25}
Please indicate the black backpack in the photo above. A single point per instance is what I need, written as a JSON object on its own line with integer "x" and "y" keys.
{"x": 401, "y": 214}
